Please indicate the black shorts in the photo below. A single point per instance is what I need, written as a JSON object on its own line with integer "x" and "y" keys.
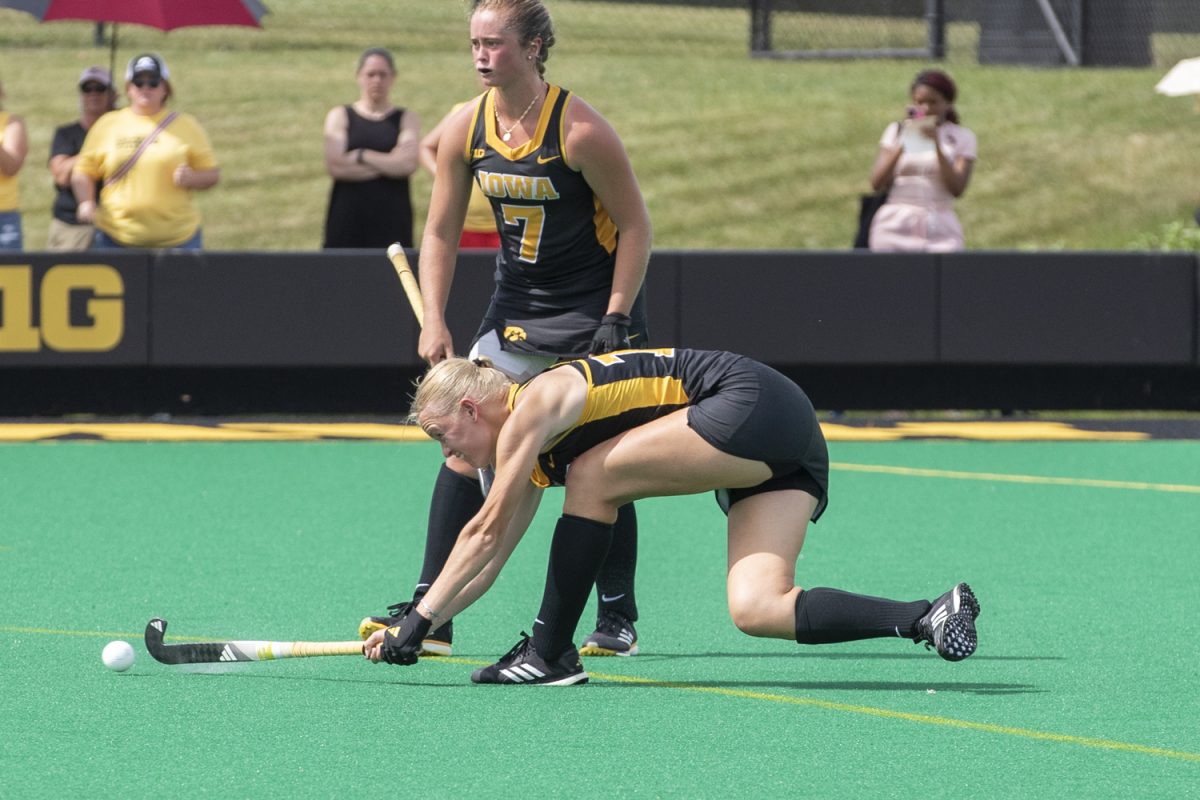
{"x": 758, "y": 414}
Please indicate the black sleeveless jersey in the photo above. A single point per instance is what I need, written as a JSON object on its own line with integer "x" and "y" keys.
{"x": 554, "y": 268}
{"x": 376, "y": 212}
{"x": 626, "y": 389}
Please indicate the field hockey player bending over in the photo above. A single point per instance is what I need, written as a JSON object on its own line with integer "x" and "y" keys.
{"x": 630, "y": 425}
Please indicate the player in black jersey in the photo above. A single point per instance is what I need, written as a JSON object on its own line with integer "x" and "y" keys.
{"x": 633, "y": 424}
{"x": 575, "y": 242}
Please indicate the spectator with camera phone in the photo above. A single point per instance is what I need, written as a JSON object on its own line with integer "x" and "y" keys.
{"x": 924, "y": 163}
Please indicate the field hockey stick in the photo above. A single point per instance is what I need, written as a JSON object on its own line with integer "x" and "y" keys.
{"x": 395, "y": 254}
{"x": 227, "y": 652}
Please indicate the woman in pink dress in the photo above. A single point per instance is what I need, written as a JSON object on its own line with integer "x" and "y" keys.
{"x": 924, "y": 162}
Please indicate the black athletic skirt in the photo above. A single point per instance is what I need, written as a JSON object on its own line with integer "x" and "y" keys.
{"x": 759, "y": 414}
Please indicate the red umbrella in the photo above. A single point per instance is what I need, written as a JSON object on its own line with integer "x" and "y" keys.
{"x": 166, "y": 15}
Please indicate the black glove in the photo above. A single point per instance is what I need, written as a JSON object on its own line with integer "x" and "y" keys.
{"x": 613, "y": 334}
{"x": 402, "y": 643}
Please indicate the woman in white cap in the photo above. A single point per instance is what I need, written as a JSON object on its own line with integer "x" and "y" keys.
{"x": 14, "y": 146}
{"x": 96, "y": 98}
{"x": 150, "y": 161}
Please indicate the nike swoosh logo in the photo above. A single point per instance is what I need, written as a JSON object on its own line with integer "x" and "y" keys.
{"x": 608, "y": 599}
{"x": 541, "y": 160}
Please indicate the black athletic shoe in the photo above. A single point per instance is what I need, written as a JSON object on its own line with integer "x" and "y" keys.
{"x": 949, "y": 627}
{"x": 614, "y": 636}
{"x": 522, "y": 664}
{"x": 437, "y": 643}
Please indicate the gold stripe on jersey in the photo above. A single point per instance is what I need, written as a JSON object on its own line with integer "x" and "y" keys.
{"x": 539, "y": 478}
{"x": 535, "y": 142}
{"x": 606, "y": 229}
{"x": 616, "y": 402}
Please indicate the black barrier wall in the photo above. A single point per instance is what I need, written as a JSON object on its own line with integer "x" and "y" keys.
{"x": 147, "y": 332}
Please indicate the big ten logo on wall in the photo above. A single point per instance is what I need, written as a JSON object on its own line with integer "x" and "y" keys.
{"x": 73, "y": 308}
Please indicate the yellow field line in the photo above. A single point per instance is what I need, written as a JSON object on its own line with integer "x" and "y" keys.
{"x": 1011, "y": 478}
{"x": 925, "y": 719}
{"x": 984, "y": 431}
{"x": 223, "y": 432}
{"x": 812, "y": 702}
{"x": 150, "y": 431}
{"x": 56, "y": 632}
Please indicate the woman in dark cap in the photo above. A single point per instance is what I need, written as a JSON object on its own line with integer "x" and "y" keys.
{"x": 924, "y": 163}
{"x": 96, "y": 98}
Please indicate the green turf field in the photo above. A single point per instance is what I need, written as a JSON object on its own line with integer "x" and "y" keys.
{"x": 1083, "y": 554}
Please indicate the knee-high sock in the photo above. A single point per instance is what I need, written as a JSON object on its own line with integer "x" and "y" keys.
{"x": 455, "y": 500}
{"x": 576, "y": 552}
{"x": 614, "y": 584}
{"x": 824, "y": 616}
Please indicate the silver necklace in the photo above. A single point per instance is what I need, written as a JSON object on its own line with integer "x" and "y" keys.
{"x": 507, "y": 134}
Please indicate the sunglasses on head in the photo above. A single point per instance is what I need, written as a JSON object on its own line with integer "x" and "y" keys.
{"x": 93, "y": 88}
{"x": 142, "y": 83}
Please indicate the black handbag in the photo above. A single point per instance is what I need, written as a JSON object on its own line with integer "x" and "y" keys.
{"x": 868, "y": 205}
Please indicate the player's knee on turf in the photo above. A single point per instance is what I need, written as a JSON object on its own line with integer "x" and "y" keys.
{"x": 753, "y": 611}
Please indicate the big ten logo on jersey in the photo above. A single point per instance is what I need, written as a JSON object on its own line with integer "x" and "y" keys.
{"x": 73, "y": 308}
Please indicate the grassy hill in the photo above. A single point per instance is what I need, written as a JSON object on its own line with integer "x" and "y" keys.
{"x": 731, "y": 152}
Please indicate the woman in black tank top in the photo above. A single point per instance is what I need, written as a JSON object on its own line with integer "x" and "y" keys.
{"x": 371, "y": 147}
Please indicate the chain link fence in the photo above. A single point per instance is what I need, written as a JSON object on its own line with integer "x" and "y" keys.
{"x": 1087, "y": 33}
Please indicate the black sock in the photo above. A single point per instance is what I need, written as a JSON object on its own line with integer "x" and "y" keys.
{"x": 614, "y": 584}
{"x": 456, "y": 499}
{"x": 824, "y": 616}
{"x": 576, "y": 552}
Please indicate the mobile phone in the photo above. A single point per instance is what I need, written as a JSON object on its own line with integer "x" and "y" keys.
{"x": 913, "y": 140}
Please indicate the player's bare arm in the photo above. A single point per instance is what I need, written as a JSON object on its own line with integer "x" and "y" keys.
{"x": 593, "y": 148}
{"x": 443, "y": 227}
{"x": 514, "y": 532}
{"x": 428, "y": 150}
{"x": 549, "y": 405}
